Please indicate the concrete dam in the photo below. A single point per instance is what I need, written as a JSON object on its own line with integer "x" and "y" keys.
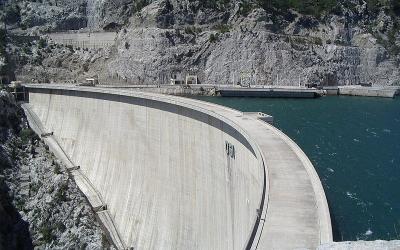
{"x": 166, "y": 172}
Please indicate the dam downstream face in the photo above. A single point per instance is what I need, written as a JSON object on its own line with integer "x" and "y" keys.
{"x": 353, "y": 143}
{"x": 176, "y": 173}
{"x": 158, "y": 168}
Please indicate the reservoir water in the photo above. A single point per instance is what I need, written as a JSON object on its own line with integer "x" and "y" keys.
{"x": 354, "y": 144}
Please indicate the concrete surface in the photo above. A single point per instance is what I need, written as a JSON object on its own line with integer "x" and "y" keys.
{"x": 84, "y": 40}
{"x": 362, "y": 245}
{"x": 357, "y": 90}
{"x": 160, "y": 165}
{"x": 81, "y": 180}
{"x": 271, "y": 92}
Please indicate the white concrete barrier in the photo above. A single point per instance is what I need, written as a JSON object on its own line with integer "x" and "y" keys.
{"x": 176, "y": 173}
{"x": 95, "y": 40}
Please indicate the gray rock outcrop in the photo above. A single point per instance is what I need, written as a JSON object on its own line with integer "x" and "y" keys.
{"x": 223, "y": 43}
{"x": 40, "y": 204}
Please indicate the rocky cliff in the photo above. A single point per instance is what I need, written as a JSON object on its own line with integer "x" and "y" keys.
{"x": 40, "y": 205}
{"x": 222, "y": 42}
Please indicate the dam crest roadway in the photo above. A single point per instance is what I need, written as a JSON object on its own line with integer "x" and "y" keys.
{"x": 167, "y": 172}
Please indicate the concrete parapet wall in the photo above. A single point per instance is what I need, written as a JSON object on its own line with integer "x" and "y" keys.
{"x": 176, "y": 173}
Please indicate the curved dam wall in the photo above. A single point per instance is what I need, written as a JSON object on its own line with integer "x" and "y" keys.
{"x": 162, "y": 169}
{"x": 176, "y": 173}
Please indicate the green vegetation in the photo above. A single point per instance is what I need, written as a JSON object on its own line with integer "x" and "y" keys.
{"x": 71, "y": 48}
{"x": 215, "y": 4}
{"x": 47, "y": 232}
{"x": 27, "y": 49}
{"x": 33, "y": 188}
{"x": 308, "y": 7}
{"x": 222, "y": 28}
{"x": 61, "y": 194}
{"x": 318, "y": 8}
{"x": 213, "y": 37}
{"x": 245, "y": 8}
{"x": 42, "y": 43}
{"x": 57, "y": 167}
{"x": 192, "y": 30}
{"x": 139, "y": 5}
{"x": 26, "y": 135}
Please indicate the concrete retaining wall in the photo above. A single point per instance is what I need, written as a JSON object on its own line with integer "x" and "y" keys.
{"x": 95, "y": 40}
{"x": 184, "y": 174}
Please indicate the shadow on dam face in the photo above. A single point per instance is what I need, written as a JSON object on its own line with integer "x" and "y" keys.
{"x": 167, "y": 107}
{"x": 165, "y": 168}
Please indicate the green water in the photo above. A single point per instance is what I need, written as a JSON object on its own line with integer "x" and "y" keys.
{"x": 354, "y": 144}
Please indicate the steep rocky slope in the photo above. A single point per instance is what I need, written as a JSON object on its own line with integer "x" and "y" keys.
{"x": 40, "y": 205}
{"x": 351, "y": 42}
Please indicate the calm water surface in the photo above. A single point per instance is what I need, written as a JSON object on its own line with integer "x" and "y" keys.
{"x": 354, "y": 144}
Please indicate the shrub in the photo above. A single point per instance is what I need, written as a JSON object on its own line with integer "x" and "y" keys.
{"x": 223, "y": 28}
{"x": 57, "y": 168}
{"x": 61, "y": 196}
{"x": 26, "y": 135}
{"x": 46, "y": 232}
{"x": 33, "y": 188}
{"x": 70, "y": 47}
{"x": 60, "y": 226}
{"x": 339, "y": 42}
{"x": 318, "y": 41}
{"x": 189, "y": 30}
{"x": 139, "y": 5}
{"x": 42, "y": 43}
{"x": 245, "y": 8}
{"x": 213, "y": 37}
{"x": 307, "y": 7}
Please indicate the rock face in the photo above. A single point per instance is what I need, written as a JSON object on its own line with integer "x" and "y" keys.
{"x": 57, "y": 15}
{"x": 41, "y": 205}
{"x": 223, "y": 43}
{"x": 245, "y": 48}
{"x": 153, "y": 53}
{"x": 14, "y": 231}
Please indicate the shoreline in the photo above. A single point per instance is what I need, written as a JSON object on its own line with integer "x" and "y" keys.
{"x": 261, "y": 91}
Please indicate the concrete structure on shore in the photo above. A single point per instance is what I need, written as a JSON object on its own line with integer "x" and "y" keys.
{"x": 271, "y": 92}
{"x": 166, "y": 172}
{"x": 358, "y": 90}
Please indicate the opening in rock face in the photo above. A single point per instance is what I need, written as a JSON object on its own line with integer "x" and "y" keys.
{"x": 73, "y": 23}
{"x": 112, "y": 27}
